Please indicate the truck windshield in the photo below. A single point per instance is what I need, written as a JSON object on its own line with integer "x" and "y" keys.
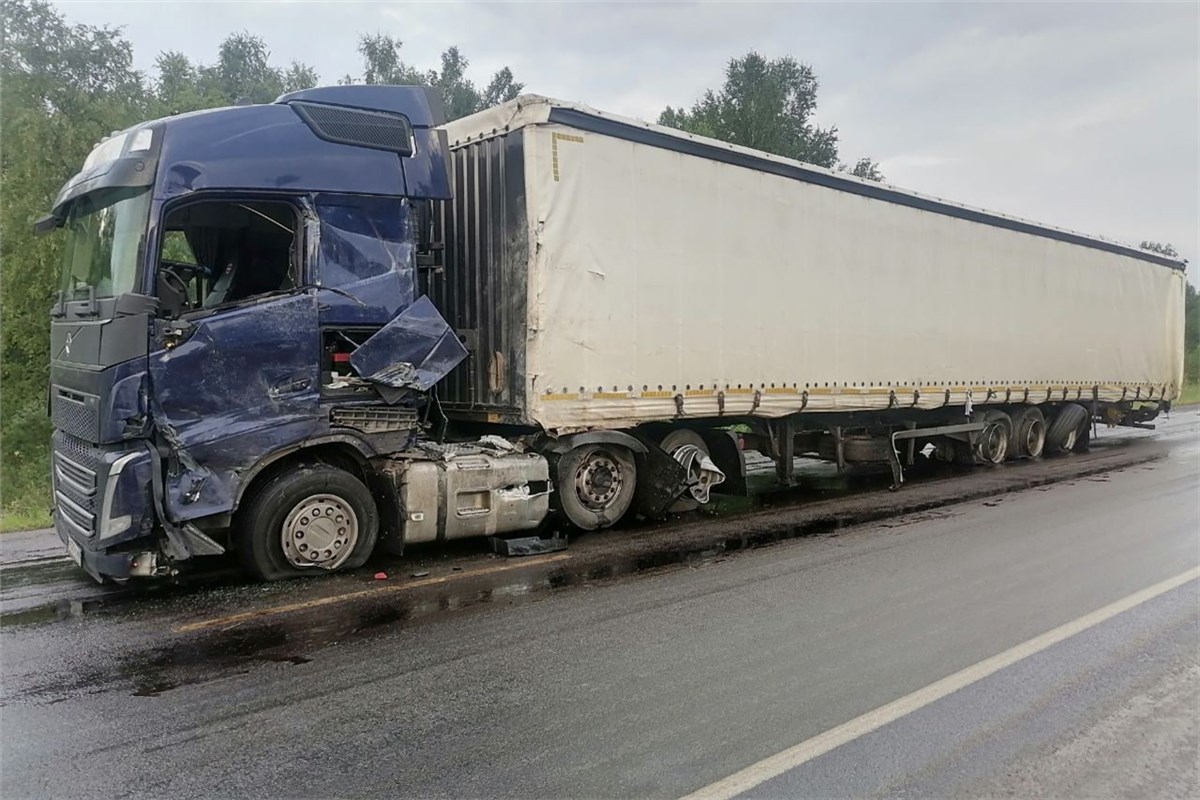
{"x": 105, "y": 232}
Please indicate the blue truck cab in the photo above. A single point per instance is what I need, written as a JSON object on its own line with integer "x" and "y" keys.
{"x": 221, "y": 271}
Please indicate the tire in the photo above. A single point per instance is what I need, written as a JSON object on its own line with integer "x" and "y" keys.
{"x": 991, "y": 443}
{"x": 594, "y": 485}
{"x": 672, "y": 442}
{"x": 309, "y": 502}
{"x": 1028, "y": 433}
{"x": 1064, "y": 432}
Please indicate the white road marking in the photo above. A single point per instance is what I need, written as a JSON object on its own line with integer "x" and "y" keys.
{"x": 789, "y": 759}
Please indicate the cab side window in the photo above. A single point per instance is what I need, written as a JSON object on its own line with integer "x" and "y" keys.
{"x": 215, "y": 253}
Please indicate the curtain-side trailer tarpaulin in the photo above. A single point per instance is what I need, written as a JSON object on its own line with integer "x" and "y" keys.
{"x": 665, "y": 273}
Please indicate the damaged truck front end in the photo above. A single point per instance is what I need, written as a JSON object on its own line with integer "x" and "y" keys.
{"x": 228, "y": 276}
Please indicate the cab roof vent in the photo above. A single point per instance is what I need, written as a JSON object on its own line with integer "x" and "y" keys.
{"x": 378, "y": 130}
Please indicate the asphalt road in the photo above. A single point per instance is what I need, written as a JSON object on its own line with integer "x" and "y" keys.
{"x": 666, "y": 682}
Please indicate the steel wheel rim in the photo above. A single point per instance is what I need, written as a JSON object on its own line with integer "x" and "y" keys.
{"x": 320, "y": 531}
{"x": 598, "y": 480}
{"x": 1035, "y": 437}
{"x": 994, "y": 445}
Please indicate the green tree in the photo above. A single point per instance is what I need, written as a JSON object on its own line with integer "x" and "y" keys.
{"x": 1191, "y": 320}
{"x": 864, "y": 168}
{"x": 501, "y": 88}
{"x": 766, "y": 104}
{"x": 382, "y": 64}
{"x": 242, "y": 71}
{"x": 299, "y": 76}
{"x": 1167, "y": 250}
{"x": 64, "y": 88}
{"x": 1191, "y": 315}
{"x": 177, "y": 88}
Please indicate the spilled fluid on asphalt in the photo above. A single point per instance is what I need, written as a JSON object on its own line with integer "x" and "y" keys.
{"x": 293, "y": 639}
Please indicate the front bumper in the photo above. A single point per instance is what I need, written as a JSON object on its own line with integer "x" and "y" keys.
{"x": 101, "y": 565}
{"x": 102, "y": 506}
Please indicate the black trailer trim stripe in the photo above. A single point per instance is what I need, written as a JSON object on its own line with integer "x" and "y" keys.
{"x": 649, "y": 136}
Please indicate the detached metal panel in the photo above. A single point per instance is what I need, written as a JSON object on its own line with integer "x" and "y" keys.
{"x": 481, "y": 289}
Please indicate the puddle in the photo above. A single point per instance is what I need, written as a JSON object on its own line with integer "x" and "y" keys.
{"x": 54, "y": 612}
{"x": 291, "y": 639}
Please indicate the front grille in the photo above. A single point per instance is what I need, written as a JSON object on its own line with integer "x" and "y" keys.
{"x": 75, "y": 413}
{"x": 76, "y": 464}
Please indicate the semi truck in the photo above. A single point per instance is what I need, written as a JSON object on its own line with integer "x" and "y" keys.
{"x": 302, "y": 330}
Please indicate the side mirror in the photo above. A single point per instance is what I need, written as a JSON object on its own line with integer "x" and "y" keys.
{"x": 46, "y": 224}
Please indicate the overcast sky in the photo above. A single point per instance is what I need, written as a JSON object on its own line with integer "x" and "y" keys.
{"x": 1085, "y": 116}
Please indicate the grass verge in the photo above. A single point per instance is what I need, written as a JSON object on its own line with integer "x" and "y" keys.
{"x": 26, "y": 493}
{"x": 24, "y": 467}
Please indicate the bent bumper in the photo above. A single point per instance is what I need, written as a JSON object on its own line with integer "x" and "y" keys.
{"x": 99, "y": 564}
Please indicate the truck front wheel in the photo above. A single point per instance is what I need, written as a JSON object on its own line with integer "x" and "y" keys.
{"x": 309, "y": 519}
{"x": 595, "y": 485}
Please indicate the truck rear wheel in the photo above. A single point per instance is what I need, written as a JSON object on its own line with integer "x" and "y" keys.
{"x": 310, "y": 519}
{"x": 991, "y": 443}
{"x": 1028, "y": 432}
{"x": 1064, "y": 432}
{"x": 595, "y": 485}
{"x": 670, "y": 444}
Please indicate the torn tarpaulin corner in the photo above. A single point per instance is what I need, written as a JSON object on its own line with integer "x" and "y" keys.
{"x": 413, "y": 351}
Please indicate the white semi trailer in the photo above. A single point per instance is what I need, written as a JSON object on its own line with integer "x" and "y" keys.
{"x": 609, "y": 274}
{"x": 613, "y": 310}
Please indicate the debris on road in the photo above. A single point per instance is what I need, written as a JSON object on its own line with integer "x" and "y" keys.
{"x": 528, "y": 545}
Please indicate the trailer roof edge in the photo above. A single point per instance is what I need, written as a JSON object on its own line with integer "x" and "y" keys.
{"x": 536, "y": 109}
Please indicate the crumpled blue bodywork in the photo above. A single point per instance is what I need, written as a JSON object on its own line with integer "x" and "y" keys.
{"x": 226, "y": 392}
{"x": 414, "y": 351}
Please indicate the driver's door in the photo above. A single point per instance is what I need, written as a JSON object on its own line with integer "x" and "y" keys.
{"x": 237, "y": 380}
{"x": 230, "y": 386}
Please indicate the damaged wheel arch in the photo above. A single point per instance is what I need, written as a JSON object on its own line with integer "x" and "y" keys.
{"x": 338, "y": 449}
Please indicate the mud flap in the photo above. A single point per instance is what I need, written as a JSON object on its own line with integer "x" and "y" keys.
{"x": 413, "y": 351}
{"x": 730, "y": 459}
{"x": 661, "y": 480}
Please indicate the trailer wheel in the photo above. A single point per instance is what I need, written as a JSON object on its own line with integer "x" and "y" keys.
{"x": 672, "y": 442}
{"x": 1028, "y": 432}
{"x": 595, "y": 485}
{"x": 991, "y": 443}
{"x": 310, "y": 519}
{"x": 1064, "y": 432}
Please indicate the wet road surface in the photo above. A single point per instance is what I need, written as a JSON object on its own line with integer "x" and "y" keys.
{"x": 664, "y": 682}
